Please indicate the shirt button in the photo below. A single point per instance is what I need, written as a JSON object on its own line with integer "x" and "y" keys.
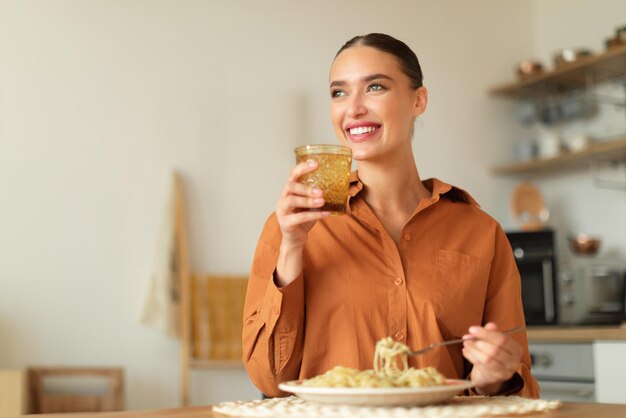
{"x": 275, "y": 310}
{"x": 399, "y": 335}
{"x": 407, "y": 236}
{"x": 397, "y": 281}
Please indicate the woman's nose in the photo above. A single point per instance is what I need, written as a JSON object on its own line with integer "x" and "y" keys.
{"x": 356, "y": 107}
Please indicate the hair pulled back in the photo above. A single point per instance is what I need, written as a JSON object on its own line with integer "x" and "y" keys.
{"x": 407, "y": 59}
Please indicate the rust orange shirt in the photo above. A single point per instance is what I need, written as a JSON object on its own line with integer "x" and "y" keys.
{"x": 452, "y": 268}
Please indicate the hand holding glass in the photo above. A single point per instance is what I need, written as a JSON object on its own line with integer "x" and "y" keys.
{"x": 332, "y": 175}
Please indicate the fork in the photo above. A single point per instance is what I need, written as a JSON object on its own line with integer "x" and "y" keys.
{"x": 457, "y": 341}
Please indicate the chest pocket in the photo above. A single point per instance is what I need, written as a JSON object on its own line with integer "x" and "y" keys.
{"x": 461, "y": 291}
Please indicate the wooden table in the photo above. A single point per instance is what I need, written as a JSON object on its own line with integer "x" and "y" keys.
{"x": 568, "y": 410}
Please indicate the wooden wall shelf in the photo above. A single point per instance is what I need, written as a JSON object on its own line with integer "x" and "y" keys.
{"x": 593, "y": 69}
{"x": 604, "y": 151}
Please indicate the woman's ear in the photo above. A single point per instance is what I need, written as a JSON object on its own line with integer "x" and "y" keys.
{"x": 421, "y": 100}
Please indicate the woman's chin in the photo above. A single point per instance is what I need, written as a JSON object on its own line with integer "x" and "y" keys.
{"x": 363, "y": 150}
{"x": 359, "y": 154}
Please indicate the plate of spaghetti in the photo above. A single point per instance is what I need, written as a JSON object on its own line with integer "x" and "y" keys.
{"x": 390, "y": 383}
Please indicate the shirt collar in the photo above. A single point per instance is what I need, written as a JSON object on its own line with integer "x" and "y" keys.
{"x": 437, "y": 188}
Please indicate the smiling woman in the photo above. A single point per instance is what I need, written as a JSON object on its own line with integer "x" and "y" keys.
{"x": 395, "y": 94}
{"x": 413, "y": 259}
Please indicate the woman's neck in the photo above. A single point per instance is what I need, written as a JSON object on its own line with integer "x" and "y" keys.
{"x": 393, "y": 189}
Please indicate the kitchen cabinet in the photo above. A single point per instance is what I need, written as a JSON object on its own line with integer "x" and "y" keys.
{"x": 564, "y": 371}
{"x": 584, "y": 73}
{"x": 610, "y": 369}
{"x": 571, "y": 353}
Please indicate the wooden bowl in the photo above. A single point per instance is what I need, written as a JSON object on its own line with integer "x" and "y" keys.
{"x": 584, "y": 245}
{"x": 529, "y": 68}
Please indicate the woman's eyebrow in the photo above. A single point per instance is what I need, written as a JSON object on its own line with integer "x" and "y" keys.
{"x": 366, "y": 78}
{"x": 376, "y": 77}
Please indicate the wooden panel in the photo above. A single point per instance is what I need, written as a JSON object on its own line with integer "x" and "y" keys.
{"x": 54, "y": 403}
{"x": 42, "y": 401}
{"x": 13, "y": 392}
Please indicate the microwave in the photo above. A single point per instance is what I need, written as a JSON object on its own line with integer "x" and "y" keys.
{"x": 583, "y": 290}
{"x": 591, "y": 291}
{"x": 535, "y": 257}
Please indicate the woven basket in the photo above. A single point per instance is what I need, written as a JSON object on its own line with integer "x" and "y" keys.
{"x": 217, "y": 316}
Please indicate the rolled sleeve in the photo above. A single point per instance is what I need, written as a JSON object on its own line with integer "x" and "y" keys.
{"x": 273, "y": 328}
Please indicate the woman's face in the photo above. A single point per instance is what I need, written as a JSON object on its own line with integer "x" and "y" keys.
{"x": 373, "y": 105}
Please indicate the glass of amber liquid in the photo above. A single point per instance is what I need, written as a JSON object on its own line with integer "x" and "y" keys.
{"x": 332, "y": 175}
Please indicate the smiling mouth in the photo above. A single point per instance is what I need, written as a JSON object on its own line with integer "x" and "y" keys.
{"x": 363, "y": 130}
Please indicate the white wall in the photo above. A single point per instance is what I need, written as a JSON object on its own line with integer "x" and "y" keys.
{"x": 99, "y": 100}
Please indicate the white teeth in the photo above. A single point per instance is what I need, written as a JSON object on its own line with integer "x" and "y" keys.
{"x": 361, "y": 130}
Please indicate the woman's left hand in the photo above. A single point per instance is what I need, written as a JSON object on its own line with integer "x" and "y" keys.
{"x": 495, "y": 357}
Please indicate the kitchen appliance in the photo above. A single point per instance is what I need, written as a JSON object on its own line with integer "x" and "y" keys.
{"x": 564, "y": 371}
{"x": 535, "y": 257}
{"x": 591, "y": 291}
{"x": 581, "y": 290}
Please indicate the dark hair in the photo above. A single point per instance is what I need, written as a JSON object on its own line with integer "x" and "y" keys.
{"x": 385, "y": 43}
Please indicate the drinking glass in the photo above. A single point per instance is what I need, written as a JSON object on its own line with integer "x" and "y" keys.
{"x": 332, "y": 175}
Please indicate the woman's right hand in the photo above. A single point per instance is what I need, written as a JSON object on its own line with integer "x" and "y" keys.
{"x": 294, "y": 218}
{"x": 295, "y": 222}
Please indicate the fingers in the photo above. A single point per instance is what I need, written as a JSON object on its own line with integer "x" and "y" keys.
{"x": 490, "y": 333}
{"x": 296, "y": 195}
{"x": 291, "y": 203}
{"x": 302, "y": 169}
{"x": 494, "y": 355}
{"x": 490, "y": 339}
{"x": 492, "y": 368}
{"x": 491, "y": 356}
{"x": 300, "y": 218}
{"x": 294, "y": 205}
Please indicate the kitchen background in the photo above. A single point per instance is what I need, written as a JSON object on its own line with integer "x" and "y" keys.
{"x": 100, "y": 100}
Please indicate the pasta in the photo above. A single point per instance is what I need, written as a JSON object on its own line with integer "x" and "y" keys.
{"x": 388, "y": 354}
{"x": 391, "y": 369}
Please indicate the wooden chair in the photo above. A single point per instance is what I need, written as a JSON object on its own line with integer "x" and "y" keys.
{"x": 74, "y": 397}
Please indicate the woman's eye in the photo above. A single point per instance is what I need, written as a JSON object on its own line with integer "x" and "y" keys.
{"x": 337, "y": 93}
{"x": 376, "y": 87}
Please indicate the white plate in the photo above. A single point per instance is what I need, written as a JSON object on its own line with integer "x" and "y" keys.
{"x": 377, "y": 396}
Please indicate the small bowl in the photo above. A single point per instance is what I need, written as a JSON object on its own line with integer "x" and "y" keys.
{"x": 584, "y": 244}
{"x": 529, "y": 68}
{"x": 613, "y": 42}
{"x": 568, "y": 56}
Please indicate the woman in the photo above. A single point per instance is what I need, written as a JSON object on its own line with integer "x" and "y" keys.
{"x": 417, "y": 260}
